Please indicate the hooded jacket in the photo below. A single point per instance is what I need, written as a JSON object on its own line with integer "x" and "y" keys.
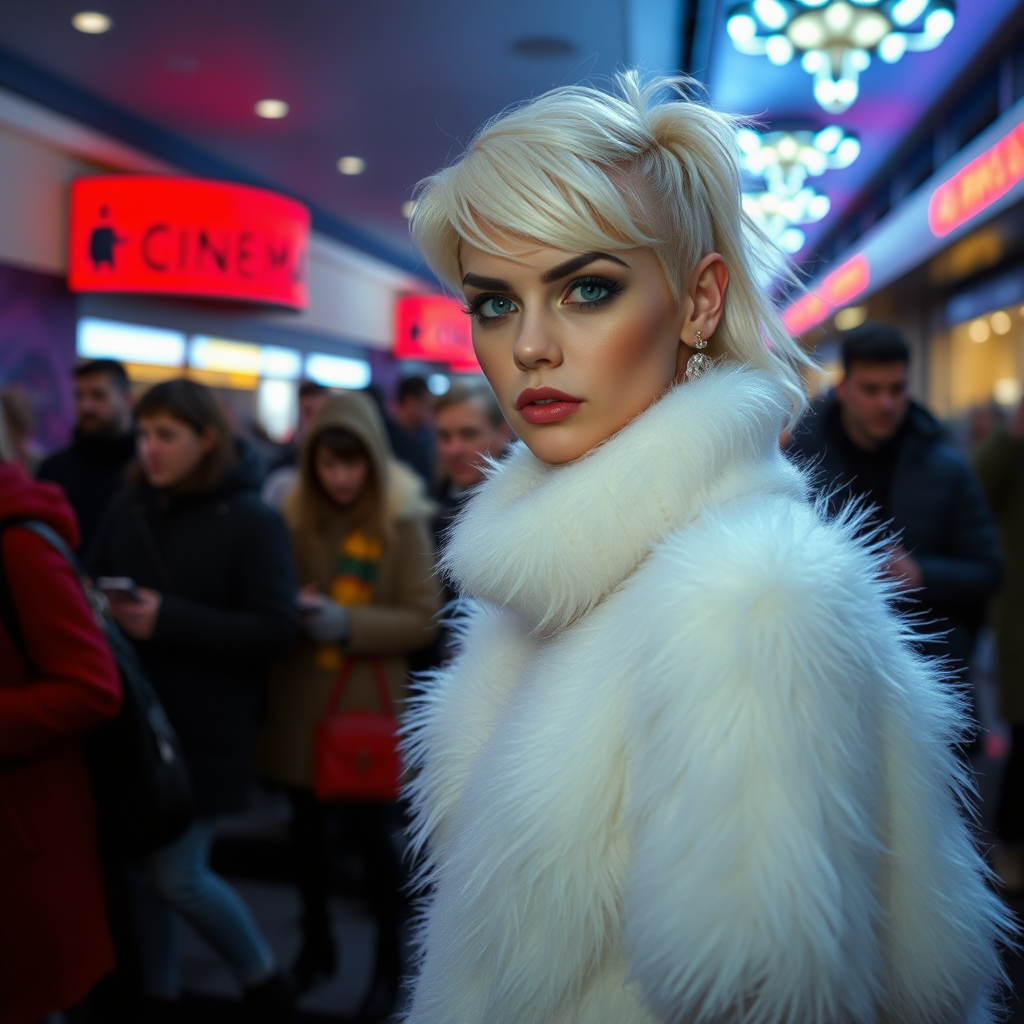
{"x": 399, "y": 617}
{"x": 687, "y": 766}
{"x": 54, "y": 940}
{"x": 220, "y": 561}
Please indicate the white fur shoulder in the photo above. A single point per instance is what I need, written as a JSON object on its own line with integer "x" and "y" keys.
{"x": 778, "y": 679}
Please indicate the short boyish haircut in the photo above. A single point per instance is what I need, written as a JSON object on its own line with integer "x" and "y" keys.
{"x": 873, "y": 343}
{"x": 480, "y": 393}
{"x": 412, "y": 387}
{"x": 584, "y": 170}
{"x": 194, "y": 405}
{"x": 310, "y": 389}
{"x": 111, "y": 368}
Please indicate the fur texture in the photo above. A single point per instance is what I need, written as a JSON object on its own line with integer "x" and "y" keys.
{"x": 687, "y": 766}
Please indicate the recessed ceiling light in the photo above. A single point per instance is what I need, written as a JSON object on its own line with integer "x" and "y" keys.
{"x": 408, "y": 209}
{"x": 351, "y": 165}
{"x": 92, "y": 22}
{"x": 272, "y": 109}
{"x": 543, "y": 47}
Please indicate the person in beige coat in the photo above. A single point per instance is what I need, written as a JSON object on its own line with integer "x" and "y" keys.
{"x": 364, "y": 559}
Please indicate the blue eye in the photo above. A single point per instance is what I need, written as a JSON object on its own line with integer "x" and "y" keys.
{"x": 490, "y": 307}
{"x": 496, "y": 307}
{"x": 592, "y": 291}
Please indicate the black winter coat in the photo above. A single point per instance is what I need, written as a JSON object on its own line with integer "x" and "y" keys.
{"x": 938, "y": 514}
{"x": 222, "y": 562}
{"x": 92, "y": 472}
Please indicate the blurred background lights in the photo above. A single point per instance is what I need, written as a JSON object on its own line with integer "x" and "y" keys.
{"x": 408, "y": 209}
{"x": 1007, "y": 391}
{"x": 836, "y": 39}
{"x": 785, "y": 160}
{"x": 93, "y": 23}
{"x": 852, "y": 316}
{"x": 1001, "y": 323}
{"x": 438, "y": 384}
{"x": 273, "y": 110}
{"x": 979, "y": 330}
{"x": 778, "y": 215}
{"x": 351, "y": 165}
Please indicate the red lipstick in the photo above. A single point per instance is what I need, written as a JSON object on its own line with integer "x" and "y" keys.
{"x": 546, "y": 405}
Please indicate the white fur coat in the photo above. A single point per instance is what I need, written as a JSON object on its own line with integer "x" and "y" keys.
{"x": 687, "y": 767}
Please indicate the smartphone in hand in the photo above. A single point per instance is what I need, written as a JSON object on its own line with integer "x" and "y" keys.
{"x": 119, "y": 586}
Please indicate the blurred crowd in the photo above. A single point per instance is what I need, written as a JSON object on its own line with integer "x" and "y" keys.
{"x": 261, "y": 596}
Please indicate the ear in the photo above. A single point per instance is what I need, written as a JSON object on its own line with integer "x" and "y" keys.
{"x": 705, "y": 298}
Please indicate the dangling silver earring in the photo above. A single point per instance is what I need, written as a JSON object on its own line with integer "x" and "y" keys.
{"x": 698, "y": 363}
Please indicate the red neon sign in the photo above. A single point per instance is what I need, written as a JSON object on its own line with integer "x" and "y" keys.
{"x": 978, "y": 185}
{"x": 186, "y": 236}
{"x": 839, "y": 288}
{"x": 434, "y": 328}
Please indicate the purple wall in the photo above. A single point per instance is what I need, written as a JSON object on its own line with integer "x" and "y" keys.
{"x": 37, "y": 348}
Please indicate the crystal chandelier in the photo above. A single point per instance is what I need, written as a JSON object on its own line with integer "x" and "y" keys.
{"x": 777, "y": 216}
{"x": 786, "y": 159}
{"x": 837, "y": 38}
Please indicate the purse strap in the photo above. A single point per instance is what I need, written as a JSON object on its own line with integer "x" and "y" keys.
{"x": 341, "y": 681}
{"x": 8, "y": 609}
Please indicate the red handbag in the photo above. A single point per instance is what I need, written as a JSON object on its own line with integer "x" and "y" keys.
{"x": 355, "y": 753}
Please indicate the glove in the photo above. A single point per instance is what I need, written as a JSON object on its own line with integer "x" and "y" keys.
{"x": 327, "y": 623}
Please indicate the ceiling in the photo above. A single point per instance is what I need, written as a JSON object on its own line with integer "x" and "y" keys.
{"x": 403, "y": 83}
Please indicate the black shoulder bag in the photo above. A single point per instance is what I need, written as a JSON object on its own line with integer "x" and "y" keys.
{"x": 143, "y": 793}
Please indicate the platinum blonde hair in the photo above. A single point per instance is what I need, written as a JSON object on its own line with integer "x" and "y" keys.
{"x": 584, "y": 170}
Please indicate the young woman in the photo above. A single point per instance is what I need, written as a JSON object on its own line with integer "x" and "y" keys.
{"x": 687, "y": 766}
{"x": 58, "y": 682}
{"x": 358, "y": 524}
{"x": 212, "y": 599}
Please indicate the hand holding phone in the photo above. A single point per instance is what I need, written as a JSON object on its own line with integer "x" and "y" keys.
{"x": 119, "y": 586}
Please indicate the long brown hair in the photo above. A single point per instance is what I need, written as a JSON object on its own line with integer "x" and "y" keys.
{"x": 195, "y": 406}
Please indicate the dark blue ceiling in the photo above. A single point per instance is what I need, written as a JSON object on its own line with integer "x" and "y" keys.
{"x": 403, "y": 83}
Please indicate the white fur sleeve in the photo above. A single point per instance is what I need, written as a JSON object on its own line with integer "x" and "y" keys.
{"x": 760, "y": 796}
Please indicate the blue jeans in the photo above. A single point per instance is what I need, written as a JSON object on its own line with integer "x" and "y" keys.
{"x": 180, "y": 875}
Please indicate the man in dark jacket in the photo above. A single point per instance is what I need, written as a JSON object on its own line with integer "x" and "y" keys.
{"x": 91, "y": 469}
{"x": 870, "y": 441}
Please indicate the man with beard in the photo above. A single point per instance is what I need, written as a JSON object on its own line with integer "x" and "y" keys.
{"x": 91, "y": 469}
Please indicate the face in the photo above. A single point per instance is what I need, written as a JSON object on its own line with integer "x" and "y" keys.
{"x": 873, "y": 399}
{"x": 343, "y": 480}
{"x": 465, "y": 437}
{"x": 169, "y": 450}
{"x": 416, "y": 413}
{"x": 100, "y": 408}
{"x": 576, "y": 345}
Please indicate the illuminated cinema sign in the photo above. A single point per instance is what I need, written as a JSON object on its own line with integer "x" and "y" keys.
{"x": 434, "y": 328}
{"x": 978, "y": 185}
{"x": 840, "y": 287}
{"x": 186, "y": 236}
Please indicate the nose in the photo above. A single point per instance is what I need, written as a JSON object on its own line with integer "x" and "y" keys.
{"x": 537, "y": 343}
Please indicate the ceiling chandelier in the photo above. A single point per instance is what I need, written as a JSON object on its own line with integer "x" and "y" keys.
{"x": 784, "y": 160}
{"x": 777, "y": 216}
{"x": 836, "y": 39}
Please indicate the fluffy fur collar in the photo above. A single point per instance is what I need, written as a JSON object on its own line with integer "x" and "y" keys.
{"x": 550, "y": 542}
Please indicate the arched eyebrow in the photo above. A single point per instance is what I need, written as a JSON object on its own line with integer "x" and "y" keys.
{"x": 549, "y": 276}
{"x": 578, "y": 263}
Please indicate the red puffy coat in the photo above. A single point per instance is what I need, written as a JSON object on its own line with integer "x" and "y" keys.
{"x": 54, "y": 939}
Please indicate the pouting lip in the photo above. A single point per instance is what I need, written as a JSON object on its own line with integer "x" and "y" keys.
{"x": 531, "y": 395}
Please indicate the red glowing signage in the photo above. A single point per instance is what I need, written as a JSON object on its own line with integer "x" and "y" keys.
{"x": 186, "y": 236}
{"x": 434, "y": 328}
{"x": 978, "y": 185}
{"x": 840, "y": 287}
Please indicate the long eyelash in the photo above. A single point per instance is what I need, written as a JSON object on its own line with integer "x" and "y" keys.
{"x": 472, "y": 307}
{"x": 611, "y": 288}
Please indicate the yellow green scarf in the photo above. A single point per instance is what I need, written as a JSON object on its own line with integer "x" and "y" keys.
{"x": 355, "y": 574}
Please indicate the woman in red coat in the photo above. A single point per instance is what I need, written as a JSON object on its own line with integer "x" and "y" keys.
{"x": 54, "y": 940}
